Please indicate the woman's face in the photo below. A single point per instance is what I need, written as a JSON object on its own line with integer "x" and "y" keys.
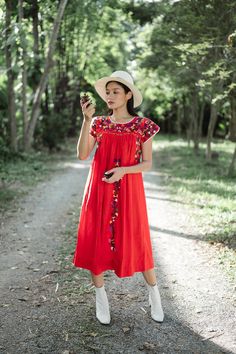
{"x": 116, "y": 96}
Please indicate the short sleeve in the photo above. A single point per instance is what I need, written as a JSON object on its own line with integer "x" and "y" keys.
{"x": 93, "y": 127}
{"x": 149, "y": 129}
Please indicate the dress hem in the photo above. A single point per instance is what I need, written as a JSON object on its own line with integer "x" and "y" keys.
{"x": 117, "y": 273}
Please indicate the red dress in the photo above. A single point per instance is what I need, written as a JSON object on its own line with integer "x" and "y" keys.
{"x": 113, "y": 229}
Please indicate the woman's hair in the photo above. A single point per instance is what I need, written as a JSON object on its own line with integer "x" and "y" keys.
{"x": 130, "y": 102}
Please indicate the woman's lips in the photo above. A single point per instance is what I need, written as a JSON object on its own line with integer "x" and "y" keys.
{"x": 110, "y": 102}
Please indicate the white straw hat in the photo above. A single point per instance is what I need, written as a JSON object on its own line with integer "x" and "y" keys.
{"x": 123, "y": 77}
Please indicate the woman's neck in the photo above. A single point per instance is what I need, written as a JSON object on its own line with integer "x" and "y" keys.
{"x": 121, "y": 115}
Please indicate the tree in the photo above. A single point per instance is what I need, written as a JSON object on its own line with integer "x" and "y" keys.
{"x": 43, "y": 82}
{"x": 24, "y": 70}
{"x": 9, "y": 38}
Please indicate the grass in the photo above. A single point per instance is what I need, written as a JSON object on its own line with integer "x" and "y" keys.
{"x": 204, "y": 186}
{"x": 24, "y": 170}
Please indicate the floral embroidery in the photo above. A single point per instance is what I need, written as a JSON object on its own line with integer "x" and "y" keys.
{"x": 149, "y": 129}
{"x": 114, "y": 204}
{"x": 138, "y": 151}
{"x": 143, "y": 128}
{"x": 92, "y": 129}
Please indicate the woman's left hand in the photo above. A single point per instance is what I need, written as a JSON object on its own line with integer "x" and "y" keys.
{"x": 118, "y": 173}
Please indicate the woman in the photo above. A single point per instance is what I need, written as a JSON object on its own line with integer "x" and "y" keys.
{"x": 113, "y": 230}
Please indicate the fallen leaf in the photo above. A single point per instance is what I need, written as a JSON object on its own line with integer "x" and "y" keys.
{"x": 198, "y": 311}
{"x": 143, "y": 309}
{"x": 90, "y": 334}
{"x": 44, "y": 277}
{"x": 148, "y": 346}
{"x": 213, "y": 336}
{"x": 93, "y": 334}
{"x": 53, "y": 271}
{"x": 56, "y": 287}
{"x": 126, "y": 329}
{"x": 132, "y": 296}
{"x": 93, "y": 347}
{"x": 211, "y": 330}
{"x": 22, "y": 299}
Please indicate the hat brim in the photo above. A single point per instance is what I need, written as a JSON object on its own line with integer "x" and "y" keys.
{"x": 100, "y": 86}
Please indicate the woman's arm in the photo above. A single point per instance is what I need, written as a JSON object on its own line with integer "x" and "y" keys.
{"x": 145, "y": 165}
{"x": 86, "y": 142}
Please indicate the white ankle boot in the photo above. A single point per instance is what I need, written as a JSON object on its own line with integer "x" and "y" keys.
{"x": 155, "y": 303}
{"x": 102, "y": 306}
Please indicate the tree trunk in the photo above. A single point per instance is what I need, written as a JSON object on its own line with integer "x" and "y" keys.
{"x": 24, "y": 70}
{"x": 211, "y": 127}
{"x": 10, "y": 79}
{"x": 232, "y": 123}
{"x": 195, "y": 127}
{"x": 35, "y": 19}
{"x": 201, "y": 117}
{"x": 187, "y": 114}
{"x": 35, "y": 11}
{"x": 190, "y": 131}
{"x": 43, "y": 81}
{"x": 232, "y": 164}
{"x": 232, "y": 131}
{"x": 213, "y": 119}
{"x": 179, "y": 118}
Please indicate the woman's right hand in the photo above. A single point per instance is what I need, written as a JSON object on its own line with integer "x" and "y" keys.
{"x": 88, "y": 110}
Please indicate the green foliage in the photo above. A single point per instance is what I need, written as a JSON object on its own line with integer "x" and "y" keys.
{"x": 187, "y": 43}
{"x": 174, "y": 49}
{"x": 204, "y": 186}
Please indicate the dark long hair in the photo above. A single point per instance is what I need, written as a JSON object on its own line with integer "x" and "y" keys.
{"x": 130, "y": 102}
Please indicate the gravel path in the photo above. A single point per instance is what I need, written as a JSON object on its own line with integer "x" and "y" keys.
{"x": 44, "y": 309}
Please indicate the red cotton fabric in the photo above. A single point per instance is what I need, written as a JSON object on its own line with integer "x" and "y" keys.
{"x": 113, "y": 229}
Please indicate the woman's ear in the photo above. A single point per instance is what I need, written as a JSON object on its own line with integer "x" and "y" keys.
{"x": 129, "y": 95}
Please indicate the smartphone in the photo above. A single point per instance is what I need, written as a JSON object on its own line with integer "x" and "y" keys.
{"x": 108, "y": 175}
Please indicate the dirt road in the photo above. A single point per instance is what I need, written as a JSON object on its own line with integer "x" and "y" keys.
{"x": 47, "y": 306}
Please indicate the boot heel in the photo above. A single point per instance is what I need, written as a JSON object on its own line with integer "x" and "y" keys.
{"x": 149, "y": 300}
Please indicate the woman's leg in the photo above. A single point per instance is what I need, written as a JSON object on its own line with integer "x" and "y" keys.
{"x": 150, "y": 276}
{"x": 98, "y": 280}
